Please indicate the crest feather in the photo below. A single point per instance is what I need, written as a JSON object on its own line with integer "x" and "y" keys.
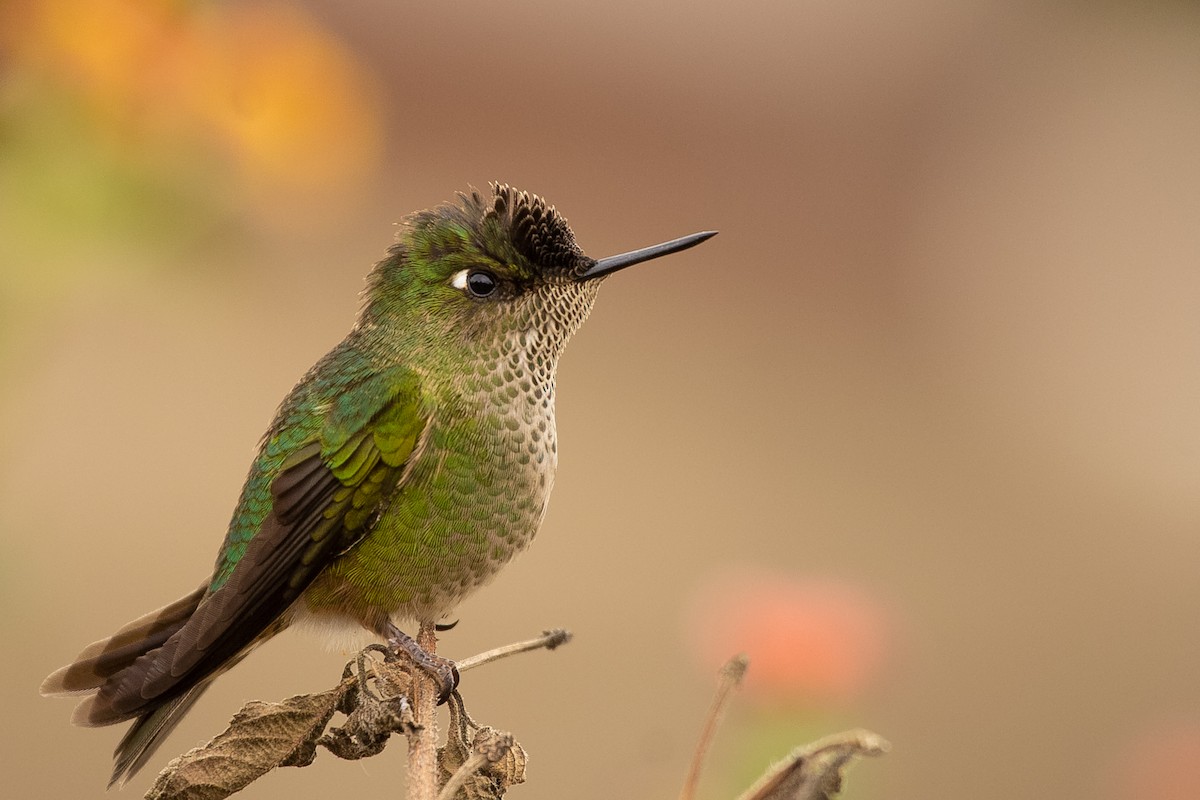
{"x": 536, "y": 229}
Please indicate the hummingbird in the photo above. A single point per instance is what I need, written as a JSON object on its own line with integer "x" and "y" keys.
{"x": 409, "y": 465}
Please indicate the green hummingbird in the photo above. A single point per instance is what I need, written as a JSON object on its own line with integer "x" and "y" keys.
{"x": 400, "y": 474}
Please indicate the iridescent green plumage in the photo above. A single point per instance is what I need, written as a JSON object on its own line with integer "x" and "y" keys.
{"x": 409, "y": 464}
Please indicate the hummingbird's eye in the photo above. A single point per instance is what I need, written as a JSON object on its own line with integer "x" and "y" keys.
{"x": 481, "y": 283}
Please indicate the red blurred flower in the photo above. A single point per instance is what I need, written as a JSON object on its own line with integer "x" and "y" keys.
{"x": 808, "y": 640}
{"x": 1162, "y": 764}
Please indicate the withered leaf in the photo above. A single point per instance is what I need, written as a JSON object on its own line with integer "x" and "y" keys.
{"x": 814, "y": 771}
{"x": 501, "y": 759}
{"x": 260, "y": 737}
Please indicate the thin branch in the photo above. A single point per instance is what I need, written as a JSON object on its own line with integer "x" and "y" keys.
{"x": 731, "y": 676}
{"x": 423, "y": 742}
{"x": 549, "y": 640}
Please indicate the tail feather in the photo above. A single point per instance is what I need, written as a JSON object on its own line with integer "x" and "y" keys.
{"x": 148, "y": 732}
{"x": 104, "y": 669}
{"x": 100, "y": 660}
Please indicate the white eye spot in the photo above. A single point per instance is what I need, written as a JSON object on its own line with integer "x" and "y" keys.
{"x": 459, "y": 280}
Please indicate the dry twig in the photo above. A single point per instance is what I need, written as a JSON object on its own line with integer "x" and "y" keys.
{"x": 379, "y": 697}
{"x": 731, "y": 676}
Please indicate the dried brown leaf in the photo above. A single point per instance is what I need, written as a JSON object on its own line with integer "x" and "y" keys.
{"x": 372, "y": 718}
{"x": 496, "y": 760}
{"x": 814, "y": 771}
{"x": 260, "y": 737}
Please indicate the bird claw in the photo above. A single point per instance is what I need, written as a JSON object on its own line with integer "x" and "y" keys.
{"x": 447, "y": 681}
{"x": 442, "y": 670}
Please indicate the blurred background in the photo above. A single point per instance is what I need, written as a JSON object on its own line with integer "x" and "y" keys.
{"x": 919, "y": 431}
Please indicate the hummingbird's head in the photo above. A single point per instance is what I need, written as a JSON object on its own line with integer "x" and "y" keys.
{"x": 479, "y": 273}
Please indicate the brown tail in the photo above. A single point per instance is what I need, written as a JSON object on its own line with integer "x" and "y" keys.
{"x": 100, "y": 665}
{"x": 100, "y": 660}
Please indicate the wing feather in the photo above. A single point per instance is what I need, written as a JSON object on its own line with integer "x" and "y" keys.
{"x": 324, "y": 497}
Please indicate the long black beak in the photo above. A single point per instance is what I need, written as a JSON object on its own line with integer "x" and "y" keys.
{"x": 611, "y": 264}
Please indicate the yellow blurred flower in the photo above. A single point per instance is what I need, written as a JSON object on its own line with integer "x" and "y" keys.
{"x": 288, "y": 104}
{"x": 110, "y": 50}
{"x": 288, "y": 101}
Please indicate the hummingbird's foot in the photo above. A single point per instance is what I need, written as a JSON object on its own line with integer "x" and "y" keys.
{"x": 443, "y": 670}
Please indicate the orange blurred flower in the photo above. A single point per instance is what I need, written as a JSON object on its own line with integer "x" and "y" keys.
{"x": 112, "y": 51}
{"x": 290, "y": 106}
{"x": 288, "y": 101}
{"x": 808, "y": 640}
{"x": 1162, "y": 764}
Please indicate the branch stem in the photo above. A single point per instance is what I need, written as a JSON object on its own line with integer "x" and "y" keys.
{"x": 548, "y": 640}
{"x": 422, "y": 743}
{"x": 731, "y": 676}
